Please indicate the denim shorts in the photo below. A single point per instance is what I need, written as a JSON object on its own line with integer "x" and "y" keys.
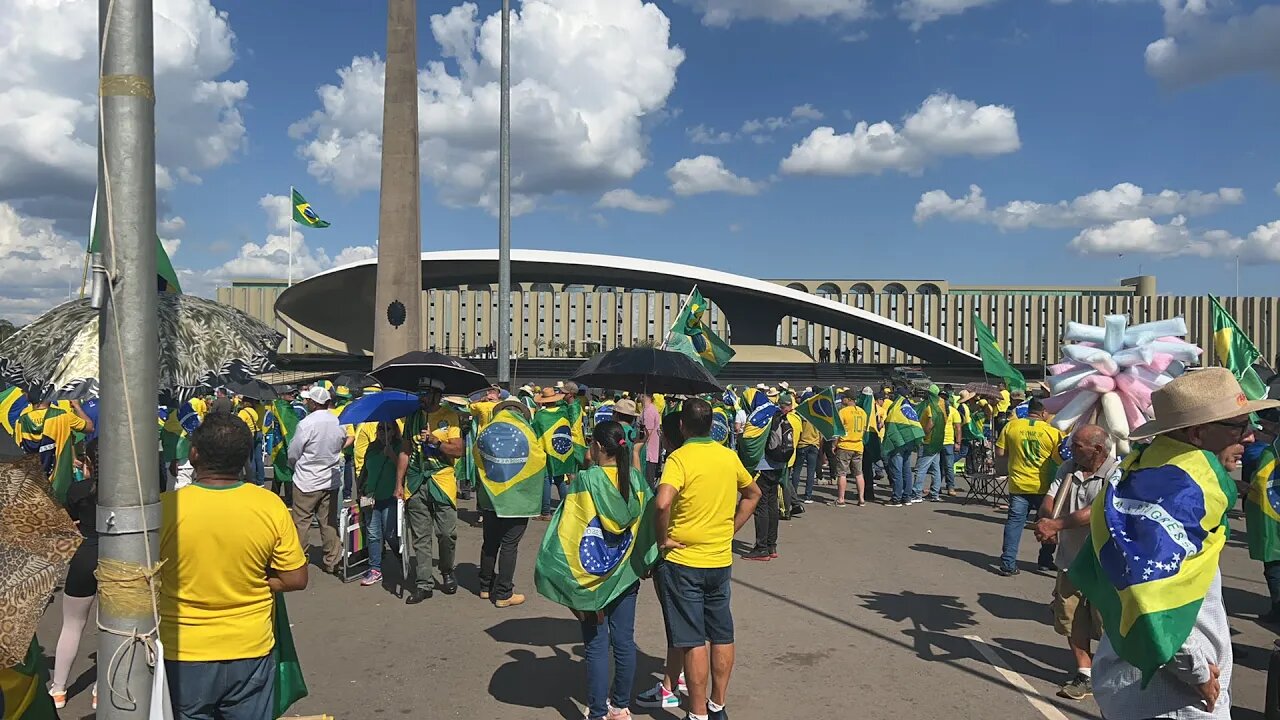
{"x": 695, "y": 604}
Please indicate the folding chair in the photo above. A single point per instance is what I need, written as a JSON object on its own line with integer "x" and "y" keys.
{"x": 355, "y": 553}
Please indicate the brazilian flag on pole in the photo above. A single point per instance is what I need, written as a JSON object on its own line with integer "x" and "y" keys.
{"x": 166, "y": 277}
{"x": 691, "y": 334}
{"x": 303, "y": 214}
{"x": 822, "y": 410}
{"x": 755, "y": 434}
{"x": 22, "y": 688}
{"x": 1236, "y": 352}
{"x": 280, "y": 423}
{"x": 994, "y": 361}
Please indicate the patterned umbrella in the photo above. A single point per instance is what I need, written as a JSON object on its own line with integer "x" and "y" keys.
{"x": 37, "y": 540}
{"x": 200, "y": 341}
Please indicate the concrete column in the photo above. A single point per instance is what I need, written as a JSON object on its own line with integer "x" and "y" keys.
{"x": 398, "y": 298}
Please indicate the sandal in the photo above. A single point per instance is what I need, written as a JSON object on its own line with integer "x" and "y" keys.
{"x": 861, "y": 503}
{"x": 841, "y": 504}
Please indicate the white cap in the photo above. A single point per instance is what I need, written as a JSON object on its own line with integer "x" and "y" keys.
{"x": 316, "y": 394}
{"x": 560, "y": 385}
{"x": 762, "y": 386}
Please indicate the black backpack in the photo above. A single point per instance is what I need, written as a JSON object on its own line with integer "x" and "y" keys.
{"x": 781, "y": 442}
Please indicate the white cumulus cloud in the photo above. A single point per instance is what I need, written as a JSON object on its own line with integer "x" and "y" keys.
{"x": 41, "y": 265}
{"x": 706, "y": 174}
{"x": 626, "y": 199}
{"x": 919, "y": 12}
{"x": 1177, "y": 237}
{"x": 1200, "y": 46}
{"x": 48, "y": 100}
{"x": 722, "y": 13}
{"x": 943, "y": 126}
{"x": 586, "y": 75}
{"x": 1125, "y": 201}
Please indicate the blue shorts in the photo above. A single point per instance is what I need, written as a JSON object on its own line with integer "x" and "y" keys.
{"x": 695, "y": 604}
{"x": 227, "y": 689}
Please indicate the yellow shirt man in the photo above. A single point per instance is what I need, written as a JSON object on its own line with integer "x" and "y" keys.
{"x": 797, "y": 429}
{"x": 252, "y": 417}
{"x": 1032, "y": 446}
{"x": 809, "y": 435}
{"x": 706, "y": 477}
{"x": 855, "y": 421}
{"x": 953, "y": 419}
{"x": 216, "y": 544}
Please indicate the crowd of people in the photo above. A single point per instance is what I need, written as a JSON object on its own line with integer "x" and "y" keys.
{"x": 658, "y": 487}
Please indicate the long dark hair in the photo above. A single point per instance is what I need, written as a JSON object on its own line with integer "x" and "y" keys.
{"x": 610, "y": 436}
{"x": 389, "y": 434}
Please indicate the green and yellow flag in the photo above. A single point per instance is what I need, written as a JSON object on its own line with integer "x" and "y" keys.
{"x": 555, "y": 432}
{"x": 871, "y": 438}
{"x": 1147, "y": 582}
{"x": 512, "y": 466}
{"x": 691, "y": 334}
{"x": 1262, "y": 510}
{"x": 290, "y": 685}
{"x": 166, "y": 276}
{"x": 938, "y": 418}
{"x": 994, "y": 361}
{"x": 303, "y": 214}
{"x": 901, "y": 427}
{"x": 598, "y": 545}
{"x": 1236, "y": 352}
{"x": 280, "y": 423}
{"x": 13, "y": 402}
{"x": 822, "y": 409}
{"x": 22, "y": 688}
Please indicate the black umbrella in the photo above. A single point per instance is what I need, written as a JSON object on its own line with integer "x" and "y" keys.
{"x": 413, "y": 370}
{"x": 647, "y": 370}
{"x": 355, "y": 381}
{"x": 254, "y": 389}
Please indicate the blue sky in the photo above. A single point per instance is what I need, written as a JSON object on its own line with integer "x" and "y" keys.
{"x": 1028, "y": 100}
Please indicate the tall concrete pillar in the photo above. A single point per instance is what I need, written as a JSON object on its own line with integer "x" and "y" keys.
{"x": 397, "y": 312}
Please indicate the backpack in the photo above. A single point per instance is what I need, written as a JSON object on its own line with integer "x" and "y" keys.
{"x": 781, "y": 442}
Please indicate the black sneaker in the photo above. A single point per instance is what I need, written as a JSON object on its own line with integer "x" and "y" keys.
{"x": 448, "y": 583}
{"x": 1271, "y": 617}
{"x": 1008, "y": 572}
{"x": 418, "y": 596}
{"x": 1079, "y": 688}
{"x": 761, "y": 554}
{"x": 721, "y": 714}
{"x": 1048, "y": 567}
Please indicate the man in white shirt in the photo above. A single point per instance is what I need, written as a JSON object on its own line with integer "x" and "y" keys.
{"x": 315, "y": 452}
{"x": 1092, "y": 464}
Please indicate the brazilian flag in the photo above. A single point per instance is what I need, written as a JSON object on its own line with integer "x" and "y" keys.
{"x": 554, "y": 426}
{"x": 512, "y": 466}
{"x": 290, "y": 685}
{"x": 48, "y": 433}
{"x": 755, "y": 436}
{"x": 279, "y": 425}
{"x": 692, "y": 335}
{"x": 597, "y": 545}
{"x": 871, "y": 438}
{"x": 303, "y": 214}
{"x": 821, "y": 409}
{"x": 1262, "y": 509}
{"x": 22, "y": 688}
{"x": 578, "y": 426}
{"x": 721, "y": 425}
{"x": 12, "y": 404}
{"x": 901, "y": 428}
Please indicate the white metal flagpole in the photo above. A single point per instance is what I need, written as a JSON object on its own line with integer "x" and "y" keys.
{"x": 667, "y": 338}
{"x": 289, "y": 219}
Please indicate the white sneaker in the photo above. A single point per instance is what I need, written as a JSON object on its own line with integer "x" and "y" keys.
{"x": 658, "y": 697}
{"x": 681, "y": 687}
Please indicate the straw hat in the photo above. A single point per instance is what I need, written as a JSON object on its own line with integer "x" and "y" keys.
{"x": 625, "y": 407}
{"x": 548, "y": 395}
{"x": 514, "y": 405}
{"x": 966, "y": 396}
{"x": 1198, "y": 398}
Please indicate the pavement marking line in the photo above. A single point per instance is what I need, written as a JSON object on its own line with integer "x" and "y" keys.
{"x": 1032, "y": 695}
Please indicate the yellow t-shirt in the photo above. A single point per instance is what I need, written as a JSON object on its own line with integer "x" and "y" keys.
{"x": 882, "y": 413}
{"x": 797, "y": 429}
{"x": 483, "y": 412}
{"x": 250, "y": 416}
{"x": 953, "y": 419}
{"x": 809, "y": 435}
{"x": 1031, "y": 446}
{"x": 1003, "y": 405}
{"x": 216, "y": 545}
{"x": 706, "y": 477}
{"x": 854, "y": 420}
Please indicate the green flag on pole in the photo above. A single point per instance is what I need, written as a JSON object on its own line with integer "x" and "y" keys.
{"x": 166, "y": 277}
{"x": 994, "y": 361}
{"x": 303, "y": 214}
{"x": 691, "y": 334}
{"x": 1236, "y": 352}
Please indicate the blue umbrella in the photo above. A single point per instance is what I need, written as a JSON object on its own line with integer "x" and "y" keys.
{"x": 382, "y": 406}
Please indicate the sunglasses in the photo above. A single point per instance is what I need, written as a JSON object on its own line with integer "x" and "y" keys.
{"x": 1237, "y": 429}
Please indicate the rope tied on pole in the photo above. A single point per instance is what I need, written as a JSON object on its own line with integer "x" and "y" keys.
{"x": 129, "y": 590}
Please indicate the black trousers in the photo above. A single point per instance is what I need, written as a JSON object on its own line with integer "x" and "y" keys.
{"x": 500, "y": 549}
{"x": 766, "y": 514}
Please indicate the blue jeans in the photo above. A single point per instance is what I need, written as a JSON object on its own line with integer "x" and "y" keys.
{"x": 382, "y": 525}
{"x": 927, "y": 465}
{"x": 899, "y": 467}
{"x": 255, "y": 460}
{"x": 225, "y": 689}
{"x": 1020, "y": 507}
{"x": 348, "y": 477}
{"x": 617, "y": 632}
{"x": 806, "y": 462}
{"x": 558, "y": 481}
{"x": 949, "y": 466}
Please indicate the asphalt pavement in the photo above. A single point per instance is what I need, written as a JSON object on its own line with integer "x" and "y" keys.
{"x": 872, "y": 612}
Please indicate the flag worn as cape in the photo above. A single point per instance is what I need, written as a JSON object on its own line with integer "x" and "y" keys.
{"x": 1236, "y": 352}
{"x": 755, "y": 434}
{"x": 512, "y": 465}
{"x": 938, "y": 418}
{"x": 46, "y": 432}
{"x": 23, "y": 694}
{"x": 822, "y": 410}
{"x": 13, "y": 401}
{"x": 1262, "y": 509}
{"x": 721, "y": 425}
{"x": 555, "y": 431}
{"x": 901, "y": 428}
{"x": 597, "y": 545}
{"x": 280, "y": 423}
{"x": 1155, "y": 540}
{"x": 994, "y": 361}
{"x": 871, "y": 438}
{"x": 692, "y": 335}
{"x": 578, "y": 426}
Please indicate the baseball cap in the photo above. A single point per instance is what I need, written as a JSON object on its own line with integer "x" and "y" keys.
{"x": 317, "y": 394}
